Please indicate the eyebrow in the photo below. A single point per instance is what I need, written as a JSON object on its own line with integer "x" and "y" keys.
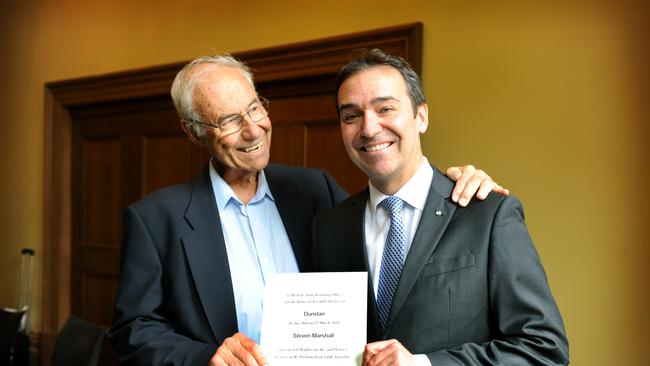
{"x": 374, "y": 101}
{"x": 255, "y": 100}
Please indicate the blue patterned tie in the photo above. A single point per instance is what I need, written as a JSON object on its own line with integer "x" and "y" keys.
{"x": 392, "y": 260}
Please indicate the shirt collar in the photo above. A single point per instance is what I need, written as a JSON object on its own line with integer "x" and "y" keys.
{"x": 224, "y": 194}
{"x": 414, "y": 192}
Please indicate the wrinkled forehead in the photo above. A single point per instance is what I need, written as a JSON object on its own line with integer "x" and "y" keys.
{"x": 218, "y": 78}
{"x": 221, "y": 89}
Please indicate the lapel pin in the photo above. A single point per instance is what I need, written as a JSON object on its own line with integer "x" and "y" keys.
{"x": 438, "y": 213}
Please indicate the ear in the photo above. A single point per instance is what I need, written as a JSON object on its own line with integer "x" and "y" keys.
{"x": 190, "y": 133}
{"x": 422, "y": 117}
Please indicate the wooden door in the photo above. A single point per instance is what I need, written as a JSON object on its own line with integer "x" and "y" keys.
{"x": 121, "y": 151}
{"x": 111, "y": 139}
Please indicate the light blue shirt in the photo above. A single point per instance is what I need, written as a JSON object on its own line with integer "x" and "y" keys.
{"x": 257, "y": 245}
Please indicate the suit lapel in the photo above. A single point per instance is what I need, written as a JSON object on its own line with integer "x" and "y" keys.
{"x": 206, "y": 254}
{"x": 436, "y": 215}
{"x": 354, "y": 232}
{"x": 290, "y": 209}
{"x": 358, "y": 256}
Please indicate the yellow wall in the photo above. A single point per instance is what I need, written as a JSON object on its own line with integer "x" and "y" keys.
{"x": 549, "y": 99}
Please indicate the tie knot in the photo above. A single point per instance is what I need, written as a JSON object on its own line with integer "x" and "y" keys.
{"x": 394, "y": 205}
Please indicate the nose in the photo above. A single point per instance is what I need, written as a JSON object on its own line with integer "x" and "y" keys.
{"x": 370, "y": 126}
{"x": 252, "y": 130}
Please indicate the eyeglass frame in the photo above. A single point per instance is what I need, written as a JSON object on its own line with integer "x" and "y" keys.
{"x": 263, "y": 102}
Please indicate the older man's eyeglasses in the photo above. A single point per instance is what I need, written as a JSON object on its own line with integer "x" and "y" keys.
{"x": 233, "y": 123}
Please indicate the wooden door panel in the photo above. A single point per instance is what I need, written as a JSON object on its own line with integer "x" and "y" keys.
{"x": 299, "y": 107}
{"x": 97, "y": 291}
{"x": 102, "y": 191}
{"x": 287, "y": 143}
{"x": 306, "y": 133}
{"x": 99, "y": 260}
{"x": 166, "y": 159}
{"x": 325, "y": 150}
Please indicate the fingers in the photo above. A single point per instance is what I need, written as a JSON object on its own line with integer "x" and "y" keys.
{"x": 471, "y": 187}
{"x": 386, "y": 353}
{"x": 467, "y": 172}
{"x": 256, "y": 351}
{"x": 490, "y": 186}
{"x": 481, "y": 184}
{"x": 238, "y": 350}
{"x": 501, "y": 190}
{"x": 372, "y": 349}
{"x": 454, "y": 173}
{"x": 472, "y": 182}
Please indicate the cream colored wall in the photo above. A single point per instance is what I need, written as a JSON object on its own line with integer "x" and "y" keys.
{"x": 547, "y": 99}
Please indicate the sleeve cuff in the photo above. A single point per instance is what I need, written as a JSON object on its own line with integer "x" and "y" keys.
{"x": 421, "y": 360}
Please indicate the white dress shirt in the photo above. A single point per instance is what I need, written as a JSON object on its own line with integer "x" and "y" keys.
{"x": 377, "y": 222}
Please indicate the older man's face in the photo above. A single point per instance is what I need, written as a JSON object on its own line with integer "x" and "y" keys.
{"x": 224, "y": 91}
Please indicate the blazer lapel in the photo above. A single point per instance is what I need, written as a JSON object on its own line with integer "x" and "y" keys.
{"x": 206, "y": 254}
{"x": 358, "y": 256}
{"x": 290, "y": 209}
{"x": 354, "y": 232}
{"x": 436, "y": 215}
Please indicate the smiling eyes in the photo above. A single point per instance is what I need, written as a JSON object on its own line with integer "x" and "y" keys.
{"x": 353, "y": 114}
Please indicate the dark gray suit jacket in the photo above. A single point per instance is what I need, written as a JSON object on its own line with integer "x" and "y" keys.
{"x": 175, "y": 301}
{"x": 472, "y": 289}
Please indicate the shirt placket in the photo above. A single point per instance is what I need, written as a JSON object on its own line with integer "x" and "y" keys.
{"x": 257, "y": 231}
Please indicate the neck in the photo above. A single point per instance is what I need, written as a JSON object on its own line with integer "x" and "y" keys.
{"x": 389, "y": 187}
{"x": 242, "y": 182}
{"x": 391, "y": 184}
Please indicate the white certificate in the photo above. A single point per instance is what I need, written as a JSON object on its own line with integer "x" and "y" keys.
{"x": 315, "y": 318}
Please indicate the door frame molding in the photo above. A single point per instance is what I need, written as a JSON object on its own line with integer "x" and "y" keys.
{"x": 317, "y": 58}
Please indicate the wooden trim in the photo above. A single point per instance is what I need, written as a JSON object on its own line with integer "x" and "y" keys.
{"x": 311, "y": 59}
{"x": 56, "y": 220}
{"x": 305, "y": 59}
{"x": 326, "y": 56}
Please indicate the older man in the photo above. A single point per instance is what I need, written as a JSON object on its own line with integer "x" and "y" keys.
{"x": 448, "y": 286}
{"x": 195, "y": 255}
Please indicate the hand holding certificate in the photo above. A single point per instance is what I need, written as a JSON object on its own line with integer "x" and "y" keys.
{"x": 315, "y": 318}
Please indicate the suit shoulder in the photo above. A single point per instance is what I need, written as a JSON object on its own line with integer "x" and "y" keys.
{"x": 304, "y": 182}
{"x": 357, "y": 201}
{"x": 173, "y": 197}
{"x": 444, "y": 186}
{"x": 493, "y": 205}
{"x": 290, "y": 174}
{"x": 499, "y": 200}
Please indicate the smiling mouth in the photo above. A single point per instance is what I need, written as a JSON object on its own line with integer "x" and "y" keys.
{"x": 378, "y": 147}
{"x": 252, "y": 148}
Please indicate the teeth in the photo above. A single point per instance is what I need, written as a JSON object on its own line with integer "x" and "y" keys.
{"x": 252, "y": 148}
{"x": 377, "y": 147}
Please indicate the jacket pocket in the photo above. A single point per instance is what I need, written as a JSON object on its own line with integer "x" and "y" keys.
{"x": 439, "y": 266}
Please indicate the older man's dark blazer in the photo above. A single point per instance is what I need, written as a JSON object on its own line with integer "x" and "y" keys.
{"x": 175, "y": 301}
{"x": 472, "y": 290}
